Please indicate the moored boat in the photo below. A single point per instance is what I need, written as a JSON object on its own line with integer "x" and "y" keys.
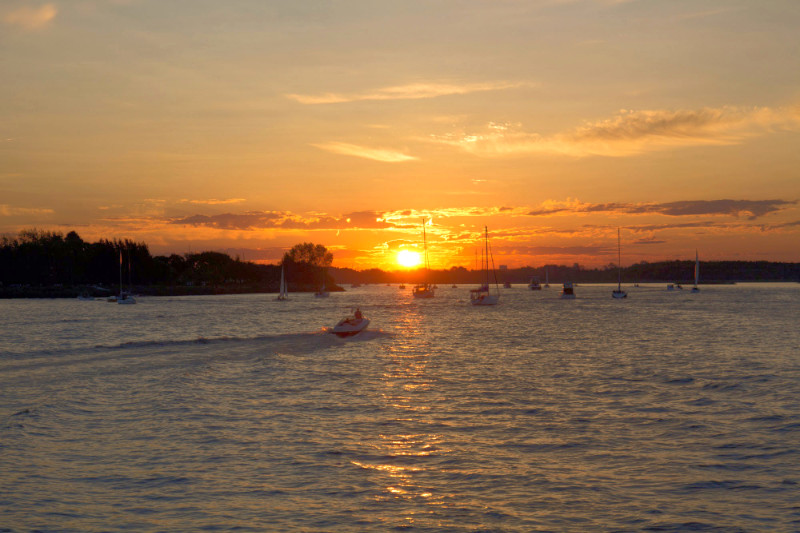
{"x": 568, "y": 291}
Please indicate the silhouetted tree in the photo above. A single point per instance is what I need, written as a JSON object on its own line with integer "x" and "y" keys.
{"x": 313, "y": 254}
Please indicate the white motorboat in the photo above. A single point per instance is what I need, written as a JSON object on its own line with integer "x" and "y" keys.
{"x": 568, "y": 292}
{"x": 619, "y": 293}
{"x": 350, "y": 325}
{"x": 482, "y": 295}
{"x": 696, "y": 272}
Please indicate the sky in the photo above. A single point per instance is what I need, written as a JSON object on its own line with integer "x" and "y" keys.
{"x": 249, "y": 126}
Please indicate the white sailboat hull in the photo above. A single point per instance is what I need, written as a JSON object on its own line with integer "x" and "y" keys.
{"x": 484, "y": 299}
{"x": 283, "y": 295}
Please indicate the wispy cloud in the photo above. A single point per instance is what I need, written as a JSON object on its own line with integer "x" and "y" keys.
{"x": 751, "y": 209}
{"x": 9, "y": 210}
{"x": 257, "y": 220}
{"x": 31, "y": 18}
{"x": 413, "y": 91}
{"x": 214, "y": 201}
{"x": 376, "y": 154}
{"x": 631, "y": 132}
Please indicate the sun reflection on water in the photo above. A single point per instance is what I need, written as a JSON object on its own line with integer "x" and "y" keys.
{"x": 413, "y": 451}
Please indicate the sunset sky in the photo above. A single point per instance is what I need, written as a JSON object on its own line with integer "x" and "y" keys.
{"x": 250, "y": 126}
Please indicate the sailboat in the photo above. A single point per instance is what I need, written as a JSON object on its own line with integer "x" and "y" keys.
{"x": 534, "y": 284}
{"x": 619, "y": 293}
{"x": 424, "y": 289}
{"x": 125, "y": 298}
{"x": 546, "y": 278}
{"x": 283, "y": 295}
{"x": 481, "y": 295}
{"x": 323, "y": 292}
{"x": 696, "y": 272}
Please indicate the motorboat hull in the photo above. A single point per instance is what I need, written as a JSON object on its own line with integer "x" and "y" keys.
{"x": 619, "y": 294}
{"x": 347, "y": 327}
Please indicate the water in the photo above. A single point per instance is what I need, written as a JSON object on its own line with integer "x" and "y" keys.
{"x": 662, "y": 412}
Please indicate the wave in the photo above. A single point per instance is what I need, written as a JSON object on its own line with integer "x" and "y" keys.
{"x": 287, "y": 339}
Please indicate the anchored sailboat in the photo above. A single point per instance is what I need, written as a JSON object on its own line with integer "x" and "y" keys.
{"x": 619, "y": 293}
{"x": 283, "y": 295}
{"x": 482, "y": 295}
{"x": 424, "y": 289}
{"x": 125, "y": 298}
{"x": 696, "y": 272}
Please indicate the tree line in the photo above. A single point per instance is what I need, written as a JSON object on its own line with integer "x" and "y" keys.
{"x": 37, "y": 259}
{"x": 43, "y": 259}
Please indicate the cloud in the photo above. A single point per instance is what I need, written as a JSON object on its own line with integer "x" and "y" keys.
{"x": 751, "y": 209}
{"x": 376, "y": 154}
{"x": 256, "y": 220}
{"x": 407, "y": 220}
{"x": 590, "y": 250}
{"x": 31, "y": 18}
{"x": 214, "y": 201}
{"x": 8, "y": 210}
{"x": 413, "y": 91}
{"x": 630, "y": 133}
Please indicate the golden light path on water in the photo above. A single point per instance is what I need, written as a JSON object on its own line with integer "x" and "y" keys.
{"x": 407, "y": 389}
{"x": 667, "y": 411}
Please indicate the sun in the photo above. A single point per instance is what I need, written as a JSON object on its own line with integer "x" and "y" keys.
{"x": 408, "y": 259}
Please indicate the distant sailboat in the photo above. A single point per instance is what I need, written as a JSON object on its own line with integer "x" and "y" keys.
{"x": 323, "y": 292}
{"x": 424, "y": 289}
{"x": 125, "y": 298}
{"x": 283, "y": 295}
{"x": 546, "y": 278}
{"x": 482, "y": 295}
{"x": 696, "y": 272}
{"x": 534, "y": 284}
{"x": 619, "y": 293}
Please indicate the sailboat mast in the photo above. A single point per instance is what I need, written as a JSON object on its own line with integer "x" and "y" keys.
{"x": 425, "y": 250}
{"x": 696, "y": 268}
{"x": 619, "y": 263}
{"x": 120, "y": 269}
{"x": 486, "y": 241}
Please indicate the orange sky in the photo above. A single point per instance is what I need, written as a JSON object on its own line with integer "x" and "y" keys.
{"x": 248, "y": 127}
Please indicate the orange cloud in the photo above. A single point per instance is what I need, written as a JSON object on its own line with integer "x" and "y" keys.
{"x": 214, "y": 201}
{"x": 413, "y": 91}
{"x": 631, "y": 132}
{"x": 376, "y": 154}
{"x": 8, "y": 210}
{"x": 751, "y": 209}
{"x": 31, "y": 18}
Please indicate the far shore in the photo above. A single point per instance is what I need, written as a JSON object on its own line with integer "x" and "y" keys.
{"x": 13, "y": 292}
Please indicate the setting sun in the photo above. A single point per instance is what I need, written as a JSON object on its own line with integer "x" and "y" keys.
{"x": 408, "y": 258}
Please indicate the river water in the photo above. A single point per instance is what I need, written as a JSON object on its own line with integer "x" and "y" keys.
{"x": 668, "y": 411}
